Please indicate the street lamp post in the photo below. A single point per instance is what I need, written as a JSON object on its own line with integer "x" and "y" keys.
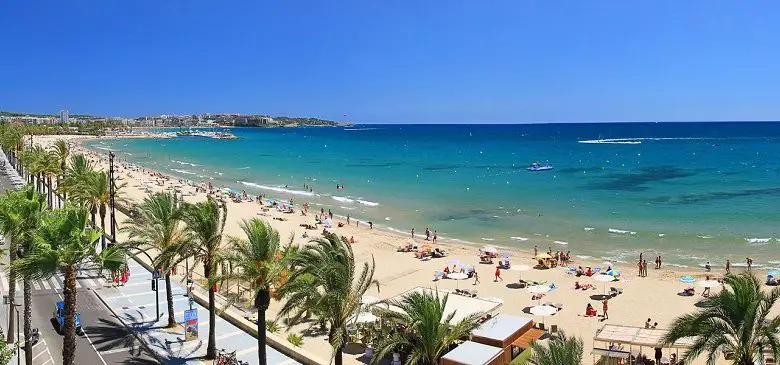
{"x": 7, "y": 301}
{"x": 111, "y": 194}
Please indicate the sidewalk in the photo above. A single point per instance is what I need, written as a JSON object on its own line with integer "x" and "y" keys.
{"x": 134, "y": 305}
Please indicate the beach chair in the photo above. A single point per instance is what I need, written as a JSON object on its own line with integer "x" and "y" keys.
{"x": 613, "y": 292}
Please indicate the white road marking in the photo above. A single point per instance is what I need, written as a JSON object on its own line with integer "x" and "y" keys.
{"x": 89, "y": 282}
{"x": 114, "y": 351}
{"x": 35, "y": 285}
{"x": 55, "y": 284}
{"x": 247, "y": 351}
{"x": 45, "y": 284}
{"x": 93, "y": 345}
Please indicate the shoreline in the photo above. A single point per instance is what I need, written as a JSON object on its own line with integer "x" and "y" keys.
{"x": 399, "y": 272}
{"x": 453, "y": 242}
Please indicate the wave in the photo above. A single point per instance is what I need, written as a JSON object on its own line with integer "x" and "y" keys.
{"x": 487, "y": 239}
{"x": 368, "y": 203}
{"x": 278, "y": 189}
{"x": 343, "y": 199}
{"x": 561, "y": 242}
{"x": 348, "y": 208}
{"x": 106, "y": 148}
{"x": 620, "y": 231}
{"x": 243, "y": 168}
{"x": 704, "y": 237}
{"x": 634, "y": 140}
{"x": 521, "y": 239}
{"x": 184, "y": 172}
{"x": 662, "y": 235}
{"x": 185, "y": 163}
{"x": 360, "y": 129}
{"x": 397, "y": 230}
{"x": 757, "y": 240}
{"x": 589, "y": 228}
{"x": 387, "y": 218}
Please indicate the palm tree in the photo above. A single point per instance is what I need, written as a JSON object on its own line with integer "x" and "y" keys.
{"x": 335, "y": 287}
{"x": 159, "y": 228}
{"x": 735, "y": 320}
{"x": 22, "y": 214}
{"x": 93, "y": 191}
{"x": 429, "y": 332}
{"x": 73, "y": 174}
{"x": 560, "y": 350}
{"x": 63, "y": 242}
{"x": 61, "y": 149}
{"x": 260, "y": 261}
{"x": 51, "y": 169}
{"x": 205, "y": 223}
{"x": 32, "y": 161}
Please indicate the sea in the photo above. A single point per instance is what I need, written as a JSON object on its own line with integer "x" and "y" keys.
{"x": 691, "y": 192}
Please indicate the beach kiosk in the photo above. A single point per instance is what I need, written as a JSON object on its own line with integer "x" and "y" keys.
{"x": 473, "y": 353}
{"x": 619, "y": 344}
{"x": 510, "y": 333}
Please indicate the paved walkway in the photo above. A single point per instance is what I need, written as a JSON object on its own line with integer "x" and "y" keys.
{"x": 134, "y": 304}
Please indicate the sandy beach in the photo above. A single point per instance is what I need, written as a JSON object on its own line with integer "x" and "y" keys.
{"x": 654, "y": 297}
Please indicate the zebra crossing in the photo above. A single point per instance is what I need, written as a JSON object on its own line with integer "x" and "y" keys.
{"x": 56, "y": 282}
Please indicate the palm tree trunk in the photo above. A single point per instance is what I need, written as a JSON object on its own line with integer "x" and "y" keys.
{"x": 262, "y": 302}
{"x": 28, "y": 355}
{"x": 11, "y": 303}
{"x": 211, "y": 350}
{"x": 338, "y": 358}
{"x": 169, "y": 297}
{"x": 69, "y": 329}
{"x": 51, "y": 202}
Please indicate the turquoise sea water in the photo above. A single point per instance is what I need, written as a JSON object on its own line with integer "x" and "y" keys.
{"x": 689, "y": 191}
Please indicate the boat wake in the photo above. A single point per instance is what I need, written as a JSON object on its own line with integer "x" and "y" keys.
{"x": 278, "y": 189}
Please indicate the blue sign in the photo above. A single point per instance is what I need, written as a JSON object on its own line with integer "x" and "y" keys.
{"x": 191, "y": 324}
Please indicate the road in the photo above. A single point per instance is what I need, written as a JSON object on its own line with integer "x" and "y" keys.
{"x": 106, "y": 340}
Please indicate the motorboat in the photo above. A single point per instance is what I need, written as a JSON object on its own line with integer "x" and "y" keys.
{"x": 538, "y": 167}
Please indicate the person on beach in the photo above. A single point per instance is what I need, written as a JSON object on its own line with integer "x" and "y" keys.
{"x": 749, "y": 263}
{"x": 498, "y": 275}
{"x": 536, "y": 250}
{"x": 370, "y": 225}
{"x": 728, "y": 266}
{"x": 476, "y": 278}
{"x": 647, "y": 324}
{"x": 604, "y": 307}
{"x": 412, "y": 232}
{"x": 347, "y": 219}
{"x": 435, "y": 236}
{"x": 707, "y": 267}
{"x": 640, "y": 268}
{"x": 590, "y": 311}
{"x": 644, "y": 267}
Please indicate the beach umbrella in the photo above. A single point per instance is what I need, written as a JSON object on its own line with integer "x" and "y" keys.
{"x": 467, "y": 267}
{"x": 543, "y": 311}
{"x": 687, "y": 279}
{"x": 458, "y": 276}
{"x": 520, "y": 268}
{"x": 490, "y": 250}
{"x": 708, "y": 283}
{"x": 604, "y": 278}
{"x": 365, "y": 317}
{"x": 506, "y": 254}
{"x": 773, "y": 273}
{"x": 368, "y": 299}
{"x": 538, "y": 289}
{"x": 542, "y": 256}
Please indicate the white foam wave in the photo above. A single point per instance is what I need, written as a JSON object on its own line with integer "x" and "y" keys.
{"x": 243, "y": 168}
{"x": 521, "y": 239}
{"x": 278, "y": 189}
{"x": 387, "y": 218}
{"x": 757, "y": 240}
{"x": 661, "y": 234}
{"x": 185, "y": 163}
{"x": 106, "y": 149}
{"x": 184, "y": 172}
{"x": 343, "y": 199}
{"x": 360, "y": 129}
{"x": 397, "y": 230}
{"x": 368, "y": 203}
{"x": 584, "y": 257}
{"x": 635, "y": 140}
{"x": 589, "y": 228}
{"x": 348, "y": 208}
{"x": 621, "y": 231}
{"x": 487, "y": 239}
{"x": 704, "y": 237}
{"x": 561, "y": 242}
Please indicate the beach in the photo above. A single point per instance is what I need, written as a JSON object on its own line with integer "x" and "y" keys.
{"x": 654, "y": 297}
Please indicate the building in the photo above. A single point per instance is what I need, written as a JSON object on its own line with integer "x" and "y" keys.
{"x": 267, "y": 120}
{"x": 64, "y": 116}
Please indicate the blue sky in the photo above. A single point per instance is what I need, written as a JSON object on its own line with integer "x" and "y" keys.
{"x": 391, "y": 61}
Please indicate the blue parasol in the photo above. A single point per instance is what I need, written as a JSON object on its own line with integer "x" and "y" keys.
{"x": 687, "y": 279}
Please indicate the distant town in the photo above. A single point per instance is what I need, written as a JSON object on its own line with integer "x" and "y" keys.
{"x": 165, "y": 120}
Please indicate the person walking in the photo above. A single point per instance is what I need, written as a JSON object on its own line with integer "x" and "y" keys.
{"x": 604, "y": 307}
{"x": 476, "y": 278}
{"x": 728, "y": 266}
{"x": 498, "y": 274}
{"x": 640, "y": 268}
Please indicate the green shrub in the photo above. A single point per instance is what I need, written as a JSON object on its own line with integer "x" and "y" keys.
{"x": 296, "y": 340}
